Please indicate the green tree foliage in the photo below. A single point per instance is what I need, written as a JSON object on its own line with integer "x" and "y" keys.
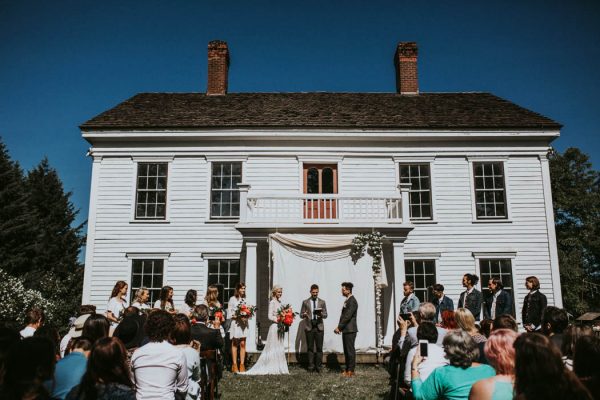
{"x": 576, "y": 198}
{"x": 40, "y": 246}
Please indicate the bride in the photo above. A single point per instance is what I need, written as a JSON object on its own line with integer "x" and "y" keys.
{"x": 272, "y": 359}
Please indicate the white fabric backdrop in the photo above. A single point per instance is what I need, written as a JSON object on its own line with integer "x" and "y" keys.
{"x": 295, "y": 269}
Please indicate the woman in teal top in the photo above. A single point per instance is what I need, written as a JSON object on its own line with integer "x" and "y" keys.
{"x": 500, "y": 352}
{"x": 454, "y": 381}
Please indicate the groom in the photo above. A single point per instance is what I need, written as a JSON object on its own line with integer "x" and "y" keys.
{"x": 314, "y": 311}
{"x": 348, "y": 328}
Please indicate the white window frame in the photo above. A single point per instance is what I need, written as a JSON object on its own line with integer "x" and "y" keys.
{"x": 319, "y": 160}
{"x": 422, "y": 257}
{"x": 221, "y": 159}
{"x": 221, "y": 256}
{"x": 422, "y": 160}
{"x": 145, "y": 256}
{"x": 504, "y": 161}
{"x": 156, "y": 160}
{"x": 501, "y": 255}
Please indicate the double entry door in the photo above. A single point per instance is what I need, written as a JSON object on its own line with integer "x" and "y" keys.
{"x": 320, "y": 182}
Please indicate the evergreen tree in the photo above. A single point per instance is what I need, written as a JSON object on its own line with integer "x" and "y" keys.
{"x": 17, "y": 227}
{"x": 576, "y": 198}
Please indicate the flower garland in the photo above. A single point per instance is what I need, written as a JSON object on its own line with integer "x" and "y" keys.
{"x": 374, "y": 243}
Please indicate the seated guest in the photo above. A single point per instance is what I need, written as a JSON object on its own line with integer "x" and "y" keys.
{"x": 435, "y": 354}
{"x": 397, "y": 357}
{"x": 466, "y": 322}
{"x": 452, "y": 381}
{"x": 70, "y": 369}
{"x": 585, "y": 363}
{"x": 485, "y": 327}
{"x": 107, "y": 376}
{"x": 29, "y": 364}
{"x": 131, "y": 332}
{"x": 554, "y": 322}
{"x": 540, "y": 372}
{"x": 500, "y": 352}
{"x": 570, "y": 338}
{"x": 96, "y": 327}
{"x": 425, "y": 313}
{"x": 448, "y": 320}
{"x": 181, "y": 337}
{"x": 34, "y": 319}
{"x": 441, "y": 302}
{"x": 50, "y": 331}
{"x": 75, "y": 332}
{"x": 159, "y": 368}
{"x": 505, "y": 321}
{"x": 210, "y": 339}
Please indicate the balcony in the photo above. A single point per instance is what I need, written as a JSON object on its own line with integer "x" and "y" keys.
{"x": 333, "y": 211}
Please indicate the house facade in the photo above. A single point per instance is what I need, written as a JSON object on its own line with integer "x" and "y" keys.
{"x": 193, "y": 189}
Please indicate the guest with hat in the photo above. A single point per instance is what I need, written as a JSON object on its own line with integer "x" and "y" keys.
{"x": 76, "y": 326}
{"x": 131, "y": 332}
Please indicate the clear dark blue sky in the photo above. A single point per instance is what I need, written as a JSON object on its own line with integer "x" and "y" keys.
{"x": 63, "y": 62}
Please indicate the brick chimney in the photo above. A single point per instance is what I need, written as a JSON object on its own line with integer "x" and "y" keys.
{"x": 406, "y": 68}
{"x": 218, "y": 68}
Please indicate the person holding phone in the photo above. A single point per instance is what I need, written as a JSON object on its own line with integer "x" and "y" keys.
{"x": 314, "y": 311}
{"x": 433, "y": 355}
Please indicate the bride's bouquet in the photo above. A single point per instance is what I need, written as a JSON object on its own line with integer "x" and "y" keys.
{"x": 243, "y": 310}
{"x": 285, "y": 318}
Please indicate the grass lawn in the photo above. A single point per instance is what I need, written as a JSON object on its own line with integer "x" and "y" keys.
{"x": 370, "y": 382}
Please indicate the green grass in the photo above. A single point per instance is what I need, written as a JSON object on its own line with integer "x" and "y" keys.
{"x": 370, "y": 382}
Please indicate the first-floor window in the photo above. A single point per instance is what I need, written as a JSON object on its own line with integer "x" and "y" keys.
{"x": 226, "y": 275}
{"x": 149, "y": 274}
{"x": 422, "y": 274}
{"x": 500, "y": 268}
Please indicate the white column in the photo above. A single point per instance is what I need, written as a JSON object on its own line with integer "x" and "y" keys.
{"x": 251, "y": 292}
{"x": 405, "y": 196}
{"x": 399, "y": 278}
{"x": 243, "y": 188}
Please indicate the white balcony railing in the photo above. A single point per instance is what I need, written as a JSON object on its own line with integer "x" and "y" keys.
{"x": 322, "y": 208}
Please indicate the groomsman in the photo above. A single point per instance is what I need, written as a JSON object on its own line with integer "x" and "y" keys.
{"x": 533, "y": 305}
{"x": 441, "y": 302}
{"x": 471, "y": 298}
{"x": 348, "y": 328}
{"x": 499, "y": 302}
{"x": 410, "y": 302}
{"x": 314, "y": 311}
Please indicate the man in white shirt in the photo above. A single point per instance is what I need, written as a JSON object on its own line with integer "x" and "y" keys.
{"x": 159, "y": 368}
{"x": 435, "y": 354}
{"x": 34, "y": 319}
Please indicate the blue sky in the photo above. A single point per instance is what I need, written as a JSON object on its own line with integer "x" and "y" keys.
{"x": 63, "y": 62}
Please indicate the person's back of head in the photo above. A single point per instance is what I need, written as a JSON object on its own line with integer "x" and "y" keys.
{"x": 200, "y": 313}
{"x": 427, "y": 311}
{"x": 448, "y": 319}
{"x": 30, "y": 362}
{"x": 131, "y": 310}
{"x": 586, "y": 357}
{"x": 505, "y": 321}
{"x": 181, "y": 333}
{"x": 500, "y": 352}
{"x": 571, "y": 336}
{"x": 49, "y": 331}
{"x": 96, "y": 327}
{"x": 554, "y": 320}
{"x": 159, "y": 325}
{"x": 485, "y": 327}
{"x": 34, "y": 316}
{"x": 82, "y": 344}
{"x": 427, "y": 331}
{"x": 460, "y": 348}
{"x": 465, "y": 320}
{"x": 540, "y": 372}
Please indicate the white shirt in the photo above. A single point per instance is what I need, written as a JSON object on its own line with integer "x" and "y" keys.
{"x": 167, "y": 305}
{"x": 159, "y": 370}
{"x": 116, "y": 307}
{"x": 28, "y": 331}
{"x": 434, "y": 359}
{"x": 140, "y": 306}
{"x": 493, "y": 310}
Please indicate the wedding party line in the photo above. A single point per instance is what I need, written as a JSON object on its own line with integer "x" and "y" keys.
{"x": 160, "y": 351}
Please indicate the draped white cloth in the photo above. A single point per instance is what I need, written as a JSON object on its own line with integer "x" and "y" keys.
{"x": 301, "y": 260}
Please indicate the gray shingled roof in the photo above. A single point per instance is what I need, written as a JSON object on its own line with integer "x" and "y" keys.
{"x": 147, "y": 111}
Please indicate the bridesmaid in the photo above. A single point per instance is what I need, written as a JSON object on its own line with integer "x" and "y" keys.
{"x": 165, "y": 302}
{"x": 117, "y": 303}
{"x": 239, "y": 328}
{"x": 211, "y": 299}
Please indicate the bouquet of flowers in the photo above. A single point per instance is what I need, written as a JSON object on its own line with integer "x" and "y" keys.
{"x": 244, "y": 311}
{"x": 217, "y": 312}
{"x": 285, "y": 318}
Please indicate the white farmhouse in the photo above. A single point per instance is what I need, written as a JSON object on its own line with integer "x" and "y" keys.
{"x": 192, "y": 189}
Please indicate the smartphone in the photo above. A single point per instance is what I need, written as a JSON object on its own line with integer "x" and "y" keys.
{"x": 406, "y": 316}
{"x": 211, "y": 317}
{"x": 423, "y": 347}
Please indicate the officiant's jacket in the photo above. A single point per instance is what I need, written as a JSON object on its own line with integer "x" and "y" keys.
{"x": 347, "y": 322}
{"x": 306, "y": 308}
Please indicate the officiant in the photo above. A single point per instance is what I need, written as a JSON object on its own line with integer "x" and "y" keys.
{"x": 313, "y": 311}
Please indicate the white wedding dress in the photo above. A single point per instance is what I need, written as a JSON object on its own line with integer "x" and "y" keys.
{"x": 272, "y": 359}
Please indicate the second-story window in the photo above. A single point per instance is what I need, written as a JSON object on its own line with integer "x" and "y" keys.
{"x": 151, "y": 191}
{"x": 490, "y": 194}
{"x": 224, "y": 193}
{"x": 419, "y": 177}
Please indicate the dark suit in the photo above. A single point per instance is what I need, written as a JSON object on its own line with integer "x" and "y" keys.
{"x": 210, "y": 339}
{"x": 348, "y": 327}
{"x": 446, "y": 304}
{"x": 472, "y": 302}
{"x": 314, "y": 330}
{"x": 503, "y": 304}
{"x": 533, "y": 306}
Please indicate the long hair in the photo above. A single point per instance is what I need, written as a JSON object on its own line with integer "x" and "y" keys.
{"x": 107, "y": 364}
{"x": 96, "y": 327}
{"x": 164, "y": 297}
{"x": 540, "y": 372}
{"x": 212, "y": 295}
{"x": 237, "y": 290}
{"x": 448, "y": 320}
{"x": 118, "y": 286}
{"x": 535, "y": 282}
{"x": 500, "y": 351}
{"x": 190, "y": 297}
{"x": 465, "y": 320}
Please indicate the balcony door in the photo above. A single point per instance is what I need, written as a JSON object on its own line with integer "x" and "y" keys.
{"x": 320, "y": 180}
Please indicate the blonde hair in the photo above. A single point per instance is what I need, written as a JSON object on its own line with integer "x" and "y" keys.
{"x": 212, "y": 295}
{"x": 465, "y": 320}
{"x": 275, "y": 289}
